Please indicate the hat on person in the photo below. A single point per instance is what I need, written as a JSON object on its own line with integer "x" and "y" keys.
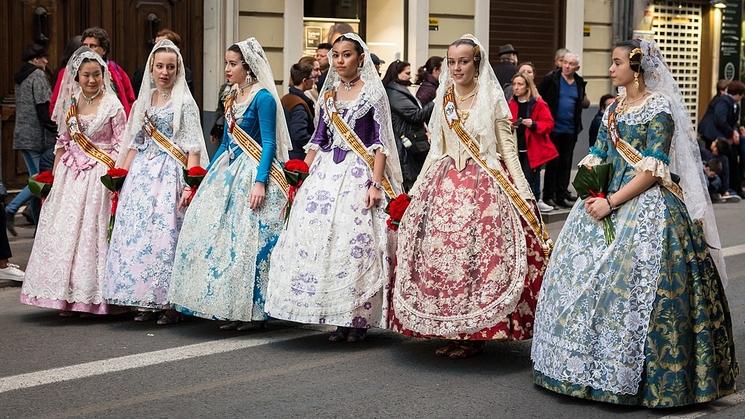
{"x": 506, "y": 49}
{"x": 32, "y": 51}
{"x": 376, "y": 60}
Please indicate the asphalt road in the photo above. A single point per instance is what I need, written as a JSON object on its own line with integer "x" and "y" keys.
{"x": 115, "y": 368}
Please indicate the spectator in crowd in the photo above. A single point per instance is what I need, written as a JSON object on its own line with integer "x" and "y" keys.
{"x": 336, "y": 30}
{"x": 712, "y": 169}
{"x": 559, "y": 57}
{"x": 322, "y": 55}
{"x": 717, "y": 155}
{"x": 605, "y": 101}
{"x": 176, "y": 39}
{"x": 99, "y": 41}
{"x": 299, "y": 109}
{"x": 34, "y": 132}
{"x": 428, "y": 77}
{"x": 377, "y": 62}
{"x": 408, "y": 118}
{"x": 72, "y": 45}
{"x": 506, "y": 67}
{"x": 7, "y": 270}
{"x": 721, "y": 120}
{"x": 563, "y": 89}
{"x": 528, "y": 69}
{"x": 532, "y": 123}
{"x": 312, "y": 93}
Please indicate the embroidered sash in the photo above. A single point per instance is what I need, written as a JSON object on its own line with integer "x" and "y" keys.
{"x": 521, "y": 205}
{"x": 633, "y": 156}
{"x": 167, "y": 145}
{"x": 253, "y": 149}
{"x": 90, "y": 149}
{"x": 354, "y": 141}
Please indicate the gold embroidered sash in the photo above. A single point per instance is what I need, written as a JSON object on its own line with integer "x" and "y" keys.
{"x": 252, "y": 148}
{"x": 167, "y": 145}
{"x": 354, "y": 141}
{"x": 633, "y": 156}
{"x": 85, "y": 144}
{"x": 521, "y": 205}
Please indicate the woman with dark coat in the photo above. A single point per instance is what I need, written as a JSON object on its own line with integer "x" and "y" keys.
{"x": 428, "y": 79}
{"x": 409, "y": 118}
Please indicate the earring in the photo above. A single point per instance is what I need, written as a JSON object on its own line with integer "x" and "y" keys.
{"x": 636, "y": 80}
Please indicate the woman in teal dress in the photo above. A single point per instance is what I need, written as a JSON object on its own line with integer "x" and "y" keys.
{"x": 644, "y": 320}
{"x": 222, "y": 257}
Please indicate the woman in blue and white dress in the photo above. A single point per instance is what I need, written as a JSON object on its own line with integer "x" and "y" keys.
{"x": 644, "y": 320}
{"x": 154, "y": 196}
{"x": 222, "y": 258}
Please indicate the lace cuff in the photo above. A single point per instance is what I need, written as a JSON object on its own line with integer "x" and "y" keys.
{"x": 380, "y": 147}
{"x": 311, "y": 146}
{"x": 590, "y": 160}
{"x": 656, "y": 166}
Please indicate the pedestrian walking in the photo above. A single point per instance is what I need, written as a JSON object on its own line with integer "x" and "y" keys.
{"x": 9, "y": 271}
{"x": 333, "y": 263}
{"x": 163, "y": 138}
{"x": 66, "y": 268}
{"x": 34, "y": 132}
{"x": 532, "y": 123}
{"x": 427, "y": 78}
{"x": 222, "y": 258}
{"x": 471, "y": 248}
{"x": 642, "y": 318}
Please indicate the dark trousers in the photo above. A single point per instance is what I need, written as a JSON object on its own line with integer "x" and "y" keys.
{"x": 558, "y": 170}
{"x": 532, "y": 176}
{"x": 5, "y": 252}
{"x": 735, "y": 174}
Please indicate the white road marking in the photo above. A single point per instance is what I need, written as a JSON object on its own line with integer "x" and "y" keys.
{"x": 734, "y": 250}
{"x": 106, "y": 366}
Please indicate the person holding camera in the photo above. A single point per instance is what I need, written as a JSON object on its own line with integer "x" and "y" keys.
{"x": 409, "y": 119}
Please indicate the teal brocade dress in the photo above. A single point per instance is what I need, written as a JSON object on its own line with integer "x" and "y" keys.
{"x": 643, "y": 321}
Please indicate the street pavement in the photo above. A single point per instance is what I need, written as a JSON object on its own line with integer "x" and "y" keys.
{"x": 115, "y": 368}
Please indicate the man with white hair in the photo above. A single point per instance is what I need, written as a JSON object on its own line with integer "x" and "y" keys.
{"x": 564, "y": 91}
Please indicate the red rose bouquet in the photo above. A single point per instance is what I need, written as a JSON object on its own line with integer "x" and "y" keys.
{"x": 396, "y": 209}
{"x": 41, "y": 184}
{"x": 592, "y": 182}
{"x": 295, "y": 172}
{"x": 193, "y": 177}
{"x": 113, "y": 180}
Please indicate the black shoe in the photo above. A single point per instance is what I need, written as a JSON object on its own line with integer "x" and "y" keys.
{"x": 10, "y": 224}
{"x": 571, "y": 198}
{"x": 563, "y": 203}
{"x": 550, "y": 202}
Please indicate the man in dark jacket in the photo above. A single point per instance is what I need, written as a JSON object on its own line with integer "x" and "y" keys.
{"x": 34, "y": 132}
{"x": 721, "y": 120}
{"x": 564, "y": 91}
{"x": 506, "y": 67}
{"x": 299, "y": 109}
{"x": 605, "y": 101}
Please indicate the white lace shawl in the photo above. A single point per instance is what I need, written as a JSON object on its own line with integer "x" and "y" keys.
{"x": 187, "y": 125}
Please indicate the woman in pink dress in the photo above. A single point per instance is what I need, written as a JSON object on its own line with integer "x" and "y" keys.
{"x": 66, "y": 267}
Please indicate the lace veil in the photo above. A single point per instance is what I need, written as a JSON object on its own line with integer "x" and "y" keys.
{"x": 685, "y": 158}
{"x": 187, "y": 126}
{"x": 69, "y": 89}
{"x": 254, "y": 56}
{"x": 373, "y": 96}
{"x": 488, "y": 106}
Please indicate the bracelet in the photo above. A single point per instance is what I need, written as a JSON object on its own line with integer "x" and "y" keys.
{"x": 612, "y": 208}
{"x": 374, "y": 184}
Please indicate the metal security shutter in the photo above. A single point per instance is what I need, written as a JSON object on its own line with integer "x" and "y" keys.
{"x": 677, "y": 31}
{"x": 534, "y": 27}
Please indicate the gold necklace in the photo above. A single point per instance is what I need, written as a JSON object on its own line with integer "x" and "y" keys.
{"x": 468, "y": 95}
{"x": 89, "y": 100}
{"x": 164, "y": 95}
{"x": 624, "y": 104}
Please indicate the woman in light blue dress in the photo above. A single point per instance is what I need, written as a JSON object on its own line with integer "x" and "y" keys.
{"x": 154, "y": 196}
{"x": 222, "y": 258}
{"x": 644, "y": 320}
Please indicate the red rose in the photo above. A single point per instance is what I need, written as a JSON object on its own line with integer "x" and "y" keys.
{"x": 117, "y": 172}
{"x": 197, "y": 171}
{"x": 45, "y": 177}
{"x": 296, "y": 165}
{"x": 393, "y": 225}
{"x": 397, "y": 207}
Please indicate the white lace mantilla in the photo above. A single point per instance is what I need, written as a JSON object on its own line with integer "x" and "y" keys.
{"x": 596, "y": 301}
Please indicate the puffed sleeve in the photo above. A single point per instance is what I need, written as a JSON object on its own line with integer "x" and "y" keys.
{"x": 320, "y": 139}
{"x": 507, "y": 148}
{"x": 659, "y": 137}
{"x": 118, "y": 127}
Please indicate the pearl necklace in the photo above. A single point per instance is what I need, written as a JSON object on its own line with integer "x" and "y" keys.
{"x": 246, "y": 85}
{"x": 89, "y": 100}
{"x": 347, "y": 85}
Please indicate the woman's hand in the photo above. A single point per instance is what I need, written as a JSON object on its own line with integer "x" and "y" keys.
{"x": 258, "y": 194}
{"x": 185, "y": 197}
{"x": 374, "y": 196}
{"x": 598, "y": 208}
{"x": 527, "y": 122}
